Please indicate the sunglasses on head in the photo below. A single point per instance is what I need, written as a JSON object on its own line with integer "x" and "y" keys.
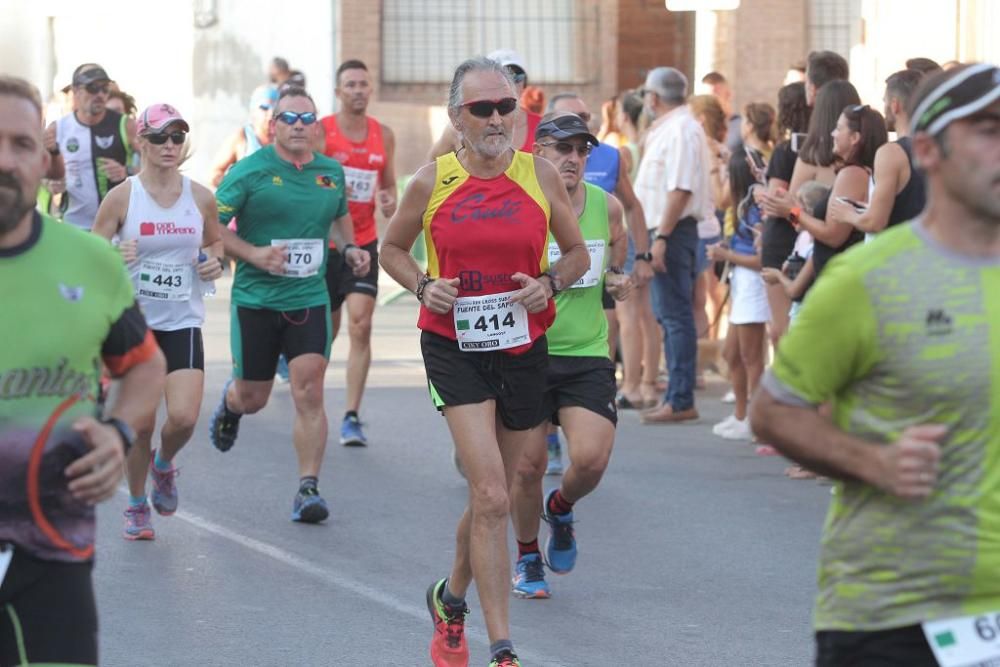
{"x": 565, "y": 148}
{"x": 94, "y": 87}
{"x": 857, "y": 108}
{"x": 485, "y": 108}
{"x": 290, "y": 117}
{"x": 160, "y": 138}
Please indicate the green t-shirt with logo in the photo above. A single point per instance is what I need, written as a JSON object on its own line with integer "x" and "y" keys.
{"x": 897, "y": 333}
{"x": 68, "y": 305}
{"x": 581, "y": 328}
{"x": 274, "y": 200}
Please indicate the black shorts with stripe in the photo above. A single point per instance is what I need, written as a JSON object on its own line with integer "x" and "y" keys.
{"x": 184, "y": 349}
{"x": 341, "y": 281}
{"x": 584, "y": 382}
{"x": 515, "y": 382}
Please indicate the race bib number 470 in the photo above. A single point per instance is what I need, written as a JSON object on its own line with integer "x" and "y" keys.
{"x": 968, "y": 641}
{"x": 303, "y": 257}
{"x": 492, "y": 322}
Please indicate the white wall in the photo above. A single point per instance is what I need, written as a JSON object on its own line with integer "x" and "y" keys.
{"x": 156, "y": 53}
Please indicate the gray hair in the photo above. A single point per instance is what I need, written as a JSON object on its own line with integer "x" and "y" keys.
{"x": 559, "y": 97}
{"x": 477, "y": 64}
{"x": 668, "y": 83}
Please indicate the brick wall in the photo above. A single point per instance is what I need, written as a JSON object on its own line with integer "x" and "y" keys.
{"x": 650, "y": 36}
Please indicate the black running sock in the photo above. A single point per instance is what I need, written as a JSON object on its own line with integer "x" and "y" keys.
{"x": 501, "y": 645}
{"x": 525, "y": 548}
{"x": 351, "y": 414}
{"x": 449, "y": 600}
{"x": 307, "y": 485}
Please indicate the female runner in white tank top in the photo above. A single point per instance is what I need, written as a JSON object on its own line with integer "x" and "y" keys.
{"x": 169, "y": 238}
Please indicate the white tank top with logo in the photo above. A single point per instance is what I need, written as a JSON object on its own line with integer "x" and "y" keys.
{"x": 74, "y": 144}
{"x": 167, "y": 286}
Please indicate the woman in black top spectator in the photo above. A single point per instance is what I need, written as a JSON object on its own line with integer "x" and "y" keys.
{"x": 816, "y": 160}
{"x": 779, "y": 236}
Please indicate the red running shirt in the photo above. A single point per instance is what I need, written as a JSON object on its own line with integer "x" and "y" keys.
{"x": 363, "y": 165}
{"x": 482, "y": 231}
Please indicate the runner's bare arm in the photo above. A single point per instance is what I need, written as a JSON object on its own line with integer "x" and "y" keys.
{"x": 227, "y": 157}
{"x": 57, "y": 167}
{"x": 448, "y": 142}
{"x": 405, "y": 227}
{"x": 112, "y": 212}
{"x": 211, "y": 239}
{"x": 265, "y": 258}
{"x": 387, "y": 179}
{"x": 565, "y": 229}
{"x": 616, "y": 228}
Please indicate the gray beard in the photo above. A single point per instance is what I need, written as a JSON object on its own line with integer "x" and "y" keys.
{"x": 13, "y": 211}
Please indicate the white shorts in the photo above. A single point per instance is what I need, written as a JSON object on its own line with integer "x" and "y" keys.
{"x": 749, "y": 297}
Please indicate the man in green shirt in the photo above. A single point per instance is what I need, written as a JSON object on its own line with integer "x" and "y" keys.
{"x": 286, "y": 198}
{"x": 903, "y": 337}
{"x": 580, "y": 382}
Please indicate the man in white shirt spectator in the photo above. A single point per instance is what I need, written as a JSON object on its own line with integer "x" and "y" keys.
{"x": 673, "y": 186}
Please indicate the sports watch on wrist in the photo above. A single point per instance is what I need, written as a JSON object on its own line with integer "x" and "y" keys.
{"x": 644, "y": 257}
{"x": 124, "y": 430}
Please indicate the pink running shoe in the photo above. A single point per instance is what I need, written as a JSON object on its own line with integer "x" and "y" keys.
{"x": 137, "y": 523}
{"x": 164, "y": 494}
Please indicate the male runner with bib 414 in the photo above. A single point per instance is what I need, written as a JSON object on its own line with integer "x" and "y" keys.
{"x": 486, "y": 211}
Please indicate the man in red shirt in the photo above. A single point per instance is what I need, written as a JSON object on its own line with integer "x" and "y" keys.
{"x": 365, "y": 148}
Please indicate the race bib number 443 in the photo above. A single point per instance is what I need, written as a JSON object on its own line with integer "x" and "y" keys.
{"x": 164, "y": 281}
{"x": 968, "y": 641}
{"x": 303, "y": 257}
{"x": 492, "y": 322}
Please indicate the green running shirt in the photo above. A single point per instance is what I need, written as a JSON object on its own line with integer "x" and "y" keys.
{"x": 581, "y": 328}
{"x": 901, "y": 332}
{"x": 68, "y": 305}
{"x": 272, "y": 199}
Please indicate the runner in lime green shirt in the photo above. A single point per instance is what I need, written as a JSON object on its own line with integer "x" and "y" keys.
{"x": 580, "y": 382}
{"x": 902, "y": 336}
{"x": 289, "y": 201}
{"x": 68, "y": 306}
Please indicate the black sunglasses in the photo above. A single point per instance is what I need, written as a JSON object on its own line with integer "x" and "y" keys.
{"x": 565, "y": 148}
{"x": 290, "y": 117}
{"x": 93, "y": 87}
{"x": 160, "y": 138}
{"x": 485, "y": 108}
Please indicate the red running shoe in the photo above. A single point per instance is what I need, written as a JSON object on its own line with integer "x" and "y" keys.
{"x": 448, "y": 647}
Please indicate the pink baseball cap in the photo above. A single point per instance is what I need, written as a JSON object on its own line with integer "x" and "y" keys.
{"x": 158, "y": 116}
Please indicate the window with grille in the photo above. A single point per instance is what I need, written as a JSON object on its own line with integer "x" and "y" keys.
{"x": 423, "y": 42}
{"x": 830, "y": 25}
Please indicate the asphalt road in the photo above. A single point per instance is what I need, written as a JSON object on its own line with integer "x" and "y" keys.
{"x": 692, "y": 552}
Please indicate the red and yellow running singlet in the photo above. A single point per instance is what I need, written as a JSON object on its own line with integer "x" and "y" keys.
{"x": 483, "y": 231}
{"x": 363, "y": 164}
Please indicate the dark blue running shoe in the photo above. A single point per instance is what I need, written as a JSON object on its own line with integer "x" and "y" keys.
{"x": 224, "y": 425}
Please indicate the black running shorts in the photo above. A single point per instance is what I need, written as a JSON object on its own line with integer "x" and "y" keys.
{"x": 515, "y": 382}
{"x": 585, "y": 382}
{"x": 341, "y": 281}
{"x": 183, "y": 348}
{"x": 897, "y": 647}
{"x": 258, "y": 336}
{"x": 47, "y": 613}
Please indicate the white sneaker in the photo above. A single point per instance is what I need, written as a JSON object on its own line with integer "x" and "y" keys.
{"x": 730, "y": 397}
{"x": 721, "y": 427}
{"x": 737, "y": 430}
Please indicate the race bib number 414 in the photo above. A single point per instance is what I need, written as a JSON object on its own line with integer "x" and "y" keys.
{"x": 968, "y": 641}
{"x": 303, "y": 257}
{"x": 492, "y": 322}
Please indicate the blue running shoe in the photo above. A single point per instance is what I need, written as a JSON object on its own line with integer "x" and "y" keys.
{"x": 560, "y": 548}
{"x": 224, "y": 425}
{"x": 309, "y": 507}
{"x": 529, "y": 578}
{"x": 283, "y": 372}
{"x": 555, "y": 466}
{"x": 351, "y": 434}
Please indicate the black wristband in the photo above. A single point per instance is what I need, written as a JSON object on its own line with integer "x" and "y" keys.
{"x": 552, "y": 282}
{"x": 644, "y": 257}
{"x": 422, "y": 284}
{"x": 615, "y": 269}
{"x": 124, "y": 430}
{"x": 662, "y": 237}
{"x": 348, "y": 246}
